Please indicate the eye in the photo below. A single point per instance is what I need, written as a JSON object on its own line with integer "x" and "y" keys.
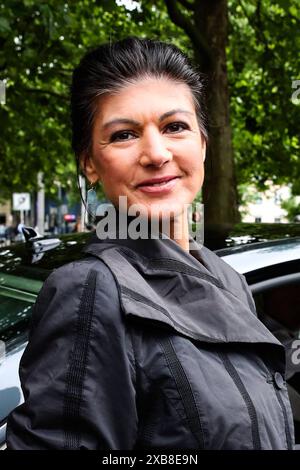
{"x": 176, "y": 127}
{"x": 122, "y": 136}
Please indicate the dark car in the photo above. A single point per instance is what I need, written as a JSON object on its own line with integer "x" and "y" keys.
{"x": 271, "y": 268}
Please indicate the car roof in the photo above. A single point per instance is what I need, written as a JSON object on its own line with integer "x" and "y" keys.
{"x": 20, "y": 260}
{"x": 252, "y": 257}
{"x": 36, "y": 261}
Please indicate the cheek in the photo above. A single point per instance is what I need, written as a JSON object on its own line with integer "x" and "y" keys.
{"x": 108, "y": 167}
{"x": 192, "y": 154}
{"x": 194, "y": 168}
{"x": 193, "y": 164}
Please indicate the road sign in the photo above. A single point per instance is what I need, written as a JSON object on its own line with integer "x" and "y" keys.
{"x": 21, "y": 201}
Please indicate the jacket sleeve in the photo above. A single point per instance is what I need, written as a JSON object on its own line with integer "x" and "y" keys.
{"x": 77, "y": 372}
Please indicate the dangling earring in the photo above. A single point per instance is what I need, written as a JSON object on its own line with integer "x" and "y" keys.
{"x": 92, "y": 201}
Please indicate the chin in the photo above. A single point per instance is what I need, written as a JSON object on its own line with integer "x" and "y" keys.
{"x": 166, "y": 211}
{"x": 160, "y": 208}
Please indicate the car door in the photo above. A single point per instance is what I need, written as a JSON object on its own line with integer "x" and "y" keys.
{"x": 17, "y": 296}
{"x": 272, "y": 270}
{"x": 278, "y": 306}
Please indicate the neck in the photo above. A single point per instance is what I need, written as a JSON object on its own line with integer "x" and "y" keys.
{"x": 179, "y": 231}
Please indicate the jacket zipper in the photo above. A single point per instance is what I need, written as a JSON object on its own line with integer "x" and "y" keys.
{"x": 185, "y": 391}
{"x": 246, "y": 397}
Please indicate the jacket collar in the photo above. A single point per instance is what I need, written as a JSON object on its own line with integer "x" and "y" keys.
{"x": 195, "y": 293}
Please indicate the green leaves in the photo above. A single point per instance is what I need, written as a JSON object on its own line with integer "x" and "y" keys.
{"x": 41, "y": 42}
{"x": 263, "y": 61}
{"x": 4, "y": 26}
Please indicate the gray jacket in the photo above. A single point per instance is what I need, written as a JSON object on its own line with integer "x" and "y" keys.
{"x": 142, "y": 345}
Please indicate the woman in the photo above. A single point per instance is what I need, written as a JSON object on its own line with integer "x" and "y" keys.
{"x": 149, "y": 342}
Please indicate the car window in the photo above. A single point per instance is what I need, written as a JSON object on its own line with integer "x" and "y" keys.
{"x": 278, "y": 307}
{"x": 282, "y": 304}
{"x": 17, "y": 296}
{"x": 14, "y": 317}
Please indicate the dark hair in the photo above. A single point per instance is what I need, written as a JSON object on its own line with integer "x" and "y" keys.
{"x": 111, "y": 66}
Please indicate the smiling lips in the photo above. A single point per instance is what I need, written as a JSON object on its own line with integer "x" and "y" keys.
{"x": 158, "y": 185}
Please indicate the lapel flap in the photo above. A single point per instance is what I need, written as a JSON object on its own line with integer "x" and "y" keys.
{"x": 183, "y": 296}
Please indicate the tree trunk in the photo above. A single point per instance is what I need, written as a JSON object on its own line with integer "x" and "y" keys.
{"x": 219, "y": 190}
{"x": 208, "y": 30}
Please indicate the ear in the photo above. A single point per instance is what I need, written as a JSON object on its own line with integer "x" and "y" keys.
{"x": 88, "y": 168}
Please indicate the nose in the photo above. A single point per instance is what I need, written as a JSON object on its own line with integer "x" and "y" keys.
{"x": 153, "y": 149}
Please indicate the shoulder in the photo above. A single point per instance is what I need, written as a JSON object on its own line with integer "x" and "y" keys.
{"x": 78, "y": 275}
{"x": 74, "y": 288}
{"x": 74, "y": 272}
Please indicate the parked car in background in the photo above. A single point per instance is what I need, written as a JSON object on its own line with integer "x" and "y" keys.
{"x": 270, "y": 267}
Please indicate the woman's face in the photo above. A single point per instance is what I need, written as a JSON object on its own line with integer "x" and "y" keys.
{"x": 148, "y": 130}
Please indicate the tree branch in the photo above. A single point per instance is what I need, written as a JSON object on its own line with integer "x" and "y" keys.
{"x": 188, "y": 5}
{"x": 180, "y": 20}
{"x": 255, "y": 23}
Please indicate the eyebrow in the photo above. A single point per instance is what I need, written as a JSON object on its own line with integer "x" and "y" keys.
{"x": 136, "y": 123}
